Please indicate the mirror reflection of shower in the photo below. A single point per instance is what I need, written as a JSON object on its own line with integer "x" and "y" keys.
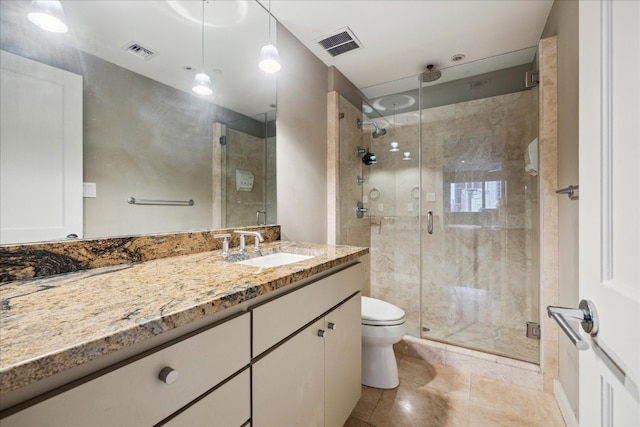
{"x": 376, "y": 133}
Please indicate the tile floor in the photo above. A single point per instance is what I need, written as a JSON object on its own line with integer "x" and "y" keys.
{"x": 431, "y": 395}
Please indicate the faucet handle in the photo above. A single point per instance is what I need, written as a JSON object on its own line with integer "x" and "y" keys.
{"x": 225, "y": 243}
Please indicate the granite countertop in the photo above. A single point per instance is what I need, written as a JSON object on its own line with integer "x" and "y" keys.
{"x": 53, "y": 324}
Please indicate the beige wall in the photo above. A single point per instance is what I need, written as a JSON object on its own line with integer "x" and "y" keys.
{"x": 563, "y": 22}
{"x": 301, "y": 152}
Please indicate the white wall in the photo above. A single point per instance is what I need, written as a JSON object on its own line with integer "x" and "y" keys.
{"x": 301, "y": 150}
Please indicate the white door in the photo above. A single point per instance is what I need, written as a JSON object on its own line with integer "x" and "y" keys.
{"x": 40, "y": 151}
{"x": 610, "y": 209}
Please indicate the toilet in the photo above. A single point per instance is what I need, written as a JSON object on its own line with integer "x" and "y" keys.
{"x": 383, "y": 325}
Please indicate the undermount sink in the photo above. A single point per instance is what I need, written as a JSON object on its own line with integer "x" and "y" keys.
{"x": 274, "y": 260}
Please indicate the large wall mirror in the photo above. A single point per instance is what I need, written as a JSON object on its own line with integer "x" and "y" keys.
{"x": 118, "y": 84}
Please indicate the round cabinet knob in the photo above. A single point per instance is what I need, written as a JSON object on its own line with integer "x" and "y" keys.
{"x": 168, "y": 375}
{"x": 331, "y": 326}
{"x": 321, "y": 333}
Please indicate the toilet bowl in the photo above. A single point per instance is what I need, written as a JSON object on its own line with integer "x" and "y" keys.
{"x": 383, "y": 325}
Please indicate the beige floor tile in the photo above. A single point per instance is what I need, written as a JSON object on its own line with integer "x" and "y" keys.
{"x": 367, "y": 403}
{"x": 355, "y": 422}
{"x": 513, "y": 402}
{"x": 432, "y": 395}
{"x": 481, "y": 416}
{"x": 411, "y": 404}
{"x": 436, "y": 376}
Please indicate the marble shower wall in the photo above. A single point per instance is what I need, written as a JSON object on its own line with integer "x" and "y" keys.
{"x": 392, "y": 195}
{"x": 478, "y": 268}
{"x": 344, "y": 166}
{"x": 257, "y": 155}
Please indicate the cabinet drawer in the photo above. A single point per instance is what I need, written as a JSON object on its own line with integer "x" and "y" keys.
{"x": 134, "y": 395}
{"x": 279, "y": 318}
{"x": 228, "y": 406}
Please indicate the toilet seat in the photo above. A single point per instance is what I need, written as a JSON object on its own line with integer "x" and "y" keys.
{"x": 381, "y": 313}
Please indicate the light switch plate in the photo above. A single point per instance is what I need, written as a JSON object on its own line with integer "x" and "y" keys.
{"x": 431, "y": 197}
{"x": 88, "y": 189}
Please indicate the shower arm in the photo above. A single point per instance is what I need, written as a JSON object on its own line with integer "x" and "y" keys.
{"x": 360, "y": 123}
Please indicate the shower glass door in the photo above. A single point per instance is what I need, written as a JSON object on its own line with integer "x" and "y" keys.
{"x": 249, "y": 164}
{"x": 479, "y": 216}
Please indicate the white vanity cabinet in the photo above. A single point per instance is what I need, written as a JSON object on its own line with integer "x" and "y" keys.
{"x": 310, "y": 372}
{"x": 285, "y": 359}
{"x": 227, "y": 406}
{"x": 135, "y": 394}
{"x": 342, "y": 361}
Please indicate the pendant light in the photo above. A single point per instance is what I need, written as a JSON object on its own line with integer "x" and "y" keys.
{"x": 48, "y": 15}
{"x": 269, "y": 58}
{"x": 202, "y": 82}
{"x": 394, "y": 145}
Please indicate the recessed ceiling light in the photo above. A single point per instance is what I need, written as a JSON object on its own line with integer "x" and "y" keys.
{"x": 457, "y": 57}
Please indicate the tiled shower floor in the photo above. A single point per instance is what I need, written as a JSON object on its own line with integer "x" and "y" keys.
{"x": 508, "y": 342}
{"x": 431, "y": 395}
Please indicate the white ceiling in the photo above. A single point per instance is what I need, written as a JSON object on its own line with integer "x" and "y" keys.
{"x": 399, "y": 39}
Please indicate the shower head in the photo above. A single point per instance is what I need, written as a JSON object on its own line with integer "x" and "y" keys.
{"x": 379, "y": 132}
{"x": 376, "y": 133}
{"x": 430, "y": 75}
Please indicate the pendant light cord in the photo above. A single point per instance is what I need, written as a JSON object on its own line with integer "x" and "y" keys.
{"x": 270, "y": 22}
{"x": 203, "y": 35}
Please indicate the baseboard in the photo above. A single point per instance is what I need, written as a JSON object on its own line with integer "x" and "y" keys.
{"x": 563, "y": 403}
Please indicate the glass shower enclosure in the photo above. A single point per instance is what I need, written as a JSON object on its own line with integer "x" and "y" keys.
{"x": 454, "y": 213}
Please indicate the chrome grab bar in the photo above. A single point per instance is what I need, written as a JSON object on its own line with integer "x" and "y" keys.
{"x": 134, "y": 201}
{"x": 586, "y": 314}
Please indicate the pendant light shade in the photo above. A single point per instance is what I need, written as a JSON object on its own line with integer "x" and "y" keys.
{"x": 202, "y": 82}
{"x": 269, "y": 59}
{"x": 48, "y": 15}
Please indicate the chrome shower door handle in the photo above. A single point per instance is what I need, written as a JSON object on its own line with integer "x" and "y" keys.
{"x": 430, "y": 222}
{"x": 586, "y": 314}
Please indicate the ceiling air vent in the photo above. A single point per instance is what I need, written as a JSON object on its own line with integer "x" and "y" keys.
{"x": 478, "y": 84}
{"x": 341, "y": 41}
{"x": 139, "y": 51}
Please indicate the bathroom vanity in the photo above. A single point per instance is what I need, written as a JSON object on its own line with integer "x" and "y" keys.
{"x": 180, "y": 340}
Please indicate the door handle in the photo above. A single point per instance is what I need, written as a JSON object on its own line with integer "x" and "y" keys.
{"x": 430, "y": 222}
{"x": 587, "y": 315}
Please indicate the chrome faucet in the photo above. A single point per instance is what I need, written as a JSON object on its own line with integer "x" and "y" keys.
{"x": 256, "y": 243}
